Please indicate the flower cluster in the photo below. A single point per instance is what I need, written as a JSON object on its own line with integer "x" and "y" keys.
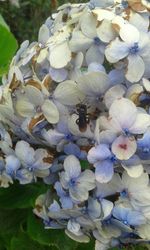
{"x": 75, "y": 112}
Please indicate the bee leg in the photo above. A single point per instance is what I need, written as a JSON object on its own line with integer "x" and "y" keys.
{"x": 87, "y": 119}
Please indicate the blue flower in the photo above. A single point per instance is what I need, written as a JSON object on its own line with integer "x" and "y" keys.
{"x": 143, "y": 146}
{"x": 103, "y": 160}
{"x": 128, "y": 217}
{"x": 78, "y": 183}
{"x": 73, "y": 149}
{"x": 65, "y": 199}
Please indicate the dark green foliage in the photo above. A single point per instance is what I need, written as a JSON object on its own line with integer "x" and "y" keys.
{"x": 26, "y": 21}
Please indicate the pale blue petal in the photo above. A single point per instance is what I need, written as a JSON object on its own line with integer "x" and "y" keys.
{"x": 104, "y": 171}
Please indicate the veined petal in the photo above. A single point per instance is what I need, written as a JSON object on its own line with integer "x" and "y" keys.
{"x": 50, "y": 111}
{"x": 102, "y": 14}
{"x": 98, "y": 153}
{"x": 133, "y": 166}
{"x": 105, "y": 31}
{"x": 25, "y": 108}
{"x": 129, "y": 34}
{"x": 116, "y": 51}
{"x": 107, "y": 207}
{"x": 114, "y": 93}
{"x": 60, "y": 55}
{"x": 88, "y": 25}
{"x": 94, "y": 54}
{"x": 124, "y": 111}
{"x": 93, "y": 83}
{"x": 134, "y": 170}
{"x": 79, "y": 194}
{"x": 72, "y": 166}
{"x": 104, "y": 171}
{"x": 79, "y": 42}
{"x": 58, "y": 75}
{"x": 142, "y": 122}
{"x": 34, "y": 95}
{"x": 87, "y": 180}
{"x": 68, "y": 93}
{"x": 24, "y": 152}
{"x": 135, "y": 68}
{"x": 43, "y": 34}
{"x": 124, "y": 147}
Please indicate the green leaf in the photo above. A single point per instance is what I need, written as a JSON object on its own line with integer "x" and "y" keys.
{"x": 3, "y": 23}
{"x": 21, "y": 196}
{"x": 84, "y": 164}
{"x": 86, "y": 246}
{"x": 8, "y": 46}
{"x": 48, "y": 237}
{"x": 10, "y": 220}
{"x": 24, "y": 242}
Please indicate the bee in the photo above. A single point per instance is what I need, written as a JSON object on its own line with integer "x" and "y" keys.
{"x": 83, "y": 119}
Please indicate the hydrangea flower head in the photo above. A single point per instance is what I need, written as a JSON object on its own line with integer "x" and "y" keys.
{"x": 75, "y": 114}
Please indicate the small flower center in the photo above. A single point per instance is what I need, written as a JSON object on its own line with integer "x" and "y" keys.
{"x": 124, "y": 4}
{"x": 126, "y": 132}
{"x": 113, "y": 158}
{"x": 72, "y": 182}
{"x": 68, "y": 137}
{"x": 125, "y": 222}
{"x": 123, "y": 146}
{"x": 134, "y": 49}
{"x": 30, "y": 169}
{"x": 38, "y": 109}
{"x": 97, "y": 41}
{"x": 123, "y": 194}
{"x": 146, "y": 150}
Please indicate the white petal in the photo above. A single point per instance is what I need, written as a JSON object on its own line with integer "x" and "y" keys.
{"x": 114, "y": 93}
{"x": 105, "y": 31}
{"x": 129, "y": 34}
{"x": 116, "y": 51}
{"x": 94, "y": 55}
{"x": 94, "y": 83}
{"x": 25, "y": 108}
{"x": 135, "y": 68}
{"x": 107, "y": 207}
{"x": 144, "y": 231}
{"x": 42, "y": 55}
{"x": 78, "y": 60}
{"x": 58, "y": 75}
{"x": 24, "y": 152}
{"x": 124, "y": 147}
{"x": 34, "y": 95}
{"x": 50, "y": 111}
{"x": 72, "y": 166}
{"x": 141, "y": 22}
{"x": 79, "y": 238}
{"x": 103, "y": 14}
{"x": 124, "y": 111}
{"x": 68, "y": 93}
{"x": 43, "y": 34}
{"x": 88, "y": 25}
{"x": 134, "y": 171}
{"x": 146, "y": 84}
{"x": 60, "y": 55}
{"x": 129, "y": 182}
{"x": 79, "y": 42}
{"x": 141, "y": 123}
